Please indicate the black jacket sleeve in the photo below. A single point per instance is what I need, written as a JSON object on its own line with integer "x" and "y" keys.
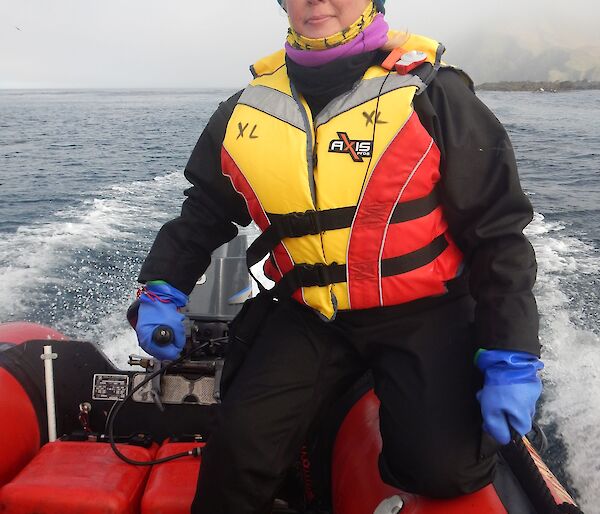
{"x": 182, "y": 249}
{"x": 486, "y": 210}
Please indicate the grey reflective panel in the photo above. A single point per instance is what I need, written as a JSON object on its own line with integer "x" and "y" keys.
{"x": 274, "y": 103}
{"x": 367, "y": 90}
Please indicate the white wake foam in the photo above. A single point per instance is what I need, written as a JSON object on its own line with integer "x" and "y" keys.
{"x": 571, "y": 353}
{"x": 36, "y": 255}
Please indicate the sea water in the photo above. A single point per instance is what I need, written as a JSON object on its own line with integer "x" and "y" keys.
{"x": 88, "y": 177}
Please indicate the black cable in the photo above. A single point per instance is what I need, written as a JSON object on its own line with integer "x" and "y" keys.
{"x": 116, "y": 407}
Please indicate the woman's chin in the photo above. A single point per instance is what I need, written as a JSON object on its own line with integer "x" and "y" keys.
{"x": 318, "y": 29}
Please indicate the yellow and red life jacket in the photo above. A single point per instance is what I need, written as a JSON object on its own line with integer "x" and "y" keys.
{"x": 346, "y": 202}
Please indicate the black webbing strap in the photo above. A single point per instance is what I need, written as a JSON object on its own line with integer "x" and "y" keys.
{"x": 298, "y": 224}
{"x": 309, "y": 275}
{"x": 415, "y": 209}
{"x": 414, "y": 260}
{"x": 427, "y": 71}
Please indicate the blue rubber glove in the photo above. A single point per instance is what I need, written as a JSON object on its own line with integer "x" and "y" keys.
{"x": 159, "y": 303}
{"x": 510, "y": 391}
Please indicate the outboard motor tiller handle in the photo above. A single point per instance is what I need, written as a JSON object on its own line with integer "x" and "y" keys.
{"x": 162, "y": 335}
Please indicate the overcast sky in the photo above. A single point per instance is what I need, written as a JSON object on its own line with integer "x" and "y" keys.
{"x": 211, "y": 43}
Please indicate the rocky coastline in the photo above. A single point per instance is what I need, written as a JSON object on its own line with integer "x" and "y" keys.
{"x": 541, "y": 86}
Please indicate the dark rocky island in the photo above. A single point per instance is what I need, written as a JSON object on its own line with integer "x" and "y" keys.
{"x": 551, "y": 87}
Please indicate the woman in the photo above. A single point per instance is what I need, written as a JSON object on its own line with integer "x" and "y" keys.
{"x": 390, "y": 204}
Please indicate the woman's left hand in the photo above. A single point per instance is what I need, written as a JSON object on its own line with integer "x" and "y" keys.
{"x": 510, "y": 392}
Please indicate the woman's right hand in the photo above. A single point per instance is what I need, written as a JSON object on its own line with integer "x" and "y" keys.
{"x": 159, "y": 305}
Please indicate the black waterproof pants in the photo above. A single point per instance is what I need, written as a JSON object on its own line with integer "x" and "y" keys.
{"x": 422, "y": 364}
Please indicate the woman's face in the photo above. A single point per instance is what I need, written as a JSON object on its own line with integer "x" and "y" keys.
{"x": 322, "y": 18}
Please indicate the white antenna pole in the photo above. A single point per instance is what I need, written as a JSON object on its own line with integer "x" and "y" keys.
{"x": 48, "y": 357}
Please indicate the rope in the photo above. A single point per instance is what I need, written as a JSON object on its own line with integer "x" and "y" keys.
{"x": 528, "y": 474}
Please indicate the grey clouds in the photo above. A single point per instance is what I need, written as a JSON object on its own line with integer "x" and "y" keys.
{"x": 187, "y": 43}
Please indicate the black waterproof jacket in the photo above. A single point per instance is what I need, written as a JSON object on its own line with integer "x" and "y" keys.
{"x": 482, "y": 198}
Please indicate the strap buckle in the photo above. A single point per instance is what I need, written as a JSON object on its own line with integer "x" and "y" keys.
{"x": 298, "y": 224}
{"x": 314, "y": 222}
{"x": 315, "y": 275}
